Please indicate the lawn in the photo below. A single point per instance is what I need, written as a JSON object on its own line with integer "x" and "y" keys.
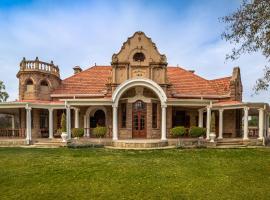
{"x": 115, "y": 174}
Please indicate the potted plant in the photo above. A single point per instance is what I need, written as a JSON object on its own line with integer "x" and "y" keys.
{"x": 212, "y": 134}
{"x": 100, "y": 131}
{"x": 178, "y": 131}
{"x": 64, "y": 128}
{"x": 77, "y": 132}
{"x": 195, "y": 131}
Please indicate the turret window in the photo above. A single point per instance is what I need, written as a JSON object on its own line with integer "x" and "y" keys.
{"x": 44, "y": 86}
{"x": 139, "y": 57}
{"x": 29, "y": 85}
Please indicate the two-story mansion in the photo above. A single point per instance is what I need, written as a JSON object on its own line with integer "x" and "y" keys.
{"x": 137, "y": 96}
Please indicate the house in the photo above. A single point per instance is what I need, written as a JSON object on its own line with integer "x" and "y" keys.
{"x": 137, "y": 97}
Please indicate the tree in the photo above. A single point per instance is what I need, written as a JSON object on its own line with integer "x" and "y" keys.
{"x": 3, "y": 94}
{"x": 248, "y": 28}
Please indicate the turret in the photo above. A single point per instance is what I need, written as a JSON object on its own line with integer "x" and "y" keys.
{"x": 37, "y": 79}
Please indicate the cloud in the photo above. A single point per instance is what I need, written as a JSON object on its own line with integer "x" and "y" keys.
{"x": 88, "y": 32}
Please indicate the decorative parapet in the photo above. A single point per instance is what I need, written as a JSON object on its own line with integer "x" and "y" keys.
{"x": 39, "y": 66}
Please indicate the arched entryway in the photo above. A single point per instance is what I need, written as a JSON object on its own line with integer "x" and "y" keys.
{"x": 144, "y": 83}
{"x": 98, "y": 119}
{"x": 139, "y": 119}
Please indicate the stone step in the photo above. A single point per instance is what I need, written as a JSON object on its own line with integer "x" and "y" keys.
{"x": 230, "y": 146}
{"x": 229, "y": 143}
{"x": 139, "y": 144}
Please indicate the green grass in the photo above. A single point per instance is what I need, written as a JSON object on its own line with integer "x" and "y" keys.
{"x": 111, "y": 174}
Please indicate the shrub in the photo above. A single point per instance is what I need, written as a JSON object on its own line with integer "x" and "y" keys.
{"x": 178, "y": 131}
{"x": 63, "y": 123}
{"x": 100, "y": 131}
{"x": 197, "y": 131}
{"x": 77, "y": 132}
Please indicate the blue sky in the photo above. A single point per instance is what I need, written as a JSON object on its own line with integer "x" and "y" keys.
{"x": 86, "y": 32}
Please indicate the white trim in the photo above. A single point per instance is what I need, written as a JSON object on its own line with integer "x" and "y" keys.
{"x": 139, "y": 82}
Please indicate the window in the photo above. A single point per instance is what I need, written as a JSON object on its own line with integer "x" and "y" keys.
{"x": 29, "y": 85}
{"x": 44, "y": 83}
{"x": 44, "y": 119}
{"x": 154, "y": 115}
{"x": 124, "y": 115}
{"x": 139, "y": 57}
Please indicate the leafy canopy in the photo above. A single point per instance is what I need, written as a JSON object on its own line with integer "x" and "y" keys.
{"x": 3, "y": 94}
{"x": 248, "y": 28}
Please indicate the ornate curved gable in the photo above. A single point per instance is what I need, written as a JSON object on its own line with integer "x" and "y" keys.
{"x": 139, "y": 58}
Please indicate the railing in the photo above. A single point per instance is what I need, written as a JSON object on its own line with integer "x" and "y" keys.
{"x": 12, "y": 133}
{"x": 36, "y": 65}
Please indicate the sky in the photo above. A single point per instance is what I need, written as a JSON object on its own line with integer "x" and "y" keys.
{"x": 85, "y": 32}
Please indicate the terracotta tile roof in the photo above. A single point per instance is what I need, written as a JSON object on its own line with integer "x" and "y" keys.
{"x": 187, "y": 83}
{"x": 91, "y": 81}
{"x": 39, "y": 102}
{"x": 225, "y": 103}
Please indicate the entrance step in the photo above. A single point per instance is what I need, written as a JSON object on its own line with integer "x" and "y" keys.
{"x": 139, "y": 144}
{"x": 49, "y": 143}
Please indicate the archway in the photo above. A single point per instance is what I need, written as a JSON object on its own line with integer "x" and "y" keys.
{"x": 121, "y": 89}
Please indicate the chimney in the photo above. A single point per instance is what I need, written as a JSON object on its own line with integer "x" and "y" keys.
{"x": 77, "y": 69}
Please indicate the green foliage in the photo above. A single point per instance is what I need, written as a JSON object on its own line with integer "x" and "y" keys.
{"x": 197, "y": 131}
{"x": 248, "y": 29}
{"x": 77, "y": 132}
{"x": 213, "y": 123}
{"x": 253, "y": 121}
{"x": 100, "y": 131}
{"x": 178, "y": 131}
{"x": 63, "y": 123}
{"x": 3, "y": 94}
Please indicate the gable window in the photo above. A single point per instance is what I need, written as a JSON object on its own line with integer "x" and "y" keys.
{"x": 124, "y": 115}
{"x": 154, "y": 115}
{"x": 139, "y": 57}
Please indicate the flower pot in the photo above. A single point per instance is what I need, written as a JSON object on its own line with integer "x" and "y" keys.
{"x": 212, "y": 137}
{"x": 64, "y": 136}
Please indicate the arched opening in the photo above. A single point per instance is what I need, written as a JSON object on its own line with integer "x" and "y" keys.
{"x": 139, "y": 57}
{"x": 29, "y": 85}
{"x": 44, "y": 83}
{"x": 44, "y": 86}
{"x": 98, "y": 119}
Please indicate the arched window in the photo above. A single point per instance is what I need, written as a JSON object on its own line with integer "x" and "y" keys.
{"x": 29, "y": 85}
{"x": 98, "y": 119}
{"x": 44, "y": 83}
{"x": 139, "y": 57}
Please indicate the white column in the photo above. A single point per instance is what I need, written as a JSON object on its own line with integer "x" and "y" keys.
{"x": 220, "y": 135}
{"x": 261, "y": 119}
{"x": 77, "y": 118}
{"x": 50, "y": 123}
{"x": 68, "y": 117}
{"x": 267, "y": 125}
{"x": 245, "y": 136}
{"x": 208, "y": 122}
{"x": 28, "y": 125}
{"x": 13, "y": 124}
{"x": 84, "y": 125}
{"x": 201, "y": 118}
{"x": 163, "y": 122}
{"x": 115, "y": 123}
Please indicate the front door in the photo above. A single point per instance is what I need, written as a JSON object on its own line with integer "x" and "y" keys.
{"x": 139, "y": 120}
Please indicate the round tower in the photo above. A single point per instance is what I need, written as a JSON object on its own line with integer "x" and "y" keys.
{"x": 37, "y": 79}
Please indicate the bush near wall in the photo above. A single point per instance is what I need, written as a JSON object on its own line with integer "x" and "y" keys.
{"x": 178, "y": 131}
{"x": 197, "y": 131}
{"x": 100, "y": 131}
{"x": 77, "y": 132}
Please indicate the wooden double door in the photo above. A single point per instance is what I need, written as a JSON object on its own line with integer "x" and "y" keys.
{"x": 139, "y": 119}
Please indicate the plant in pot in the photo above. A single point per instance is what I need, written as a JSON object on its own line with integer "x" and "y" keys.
{"x": 213, "y": 128}
{"x": 77, "y": 132}
{"x": 178, "y": 131}
{"x": 64, "y": 128}
{"x": 100, "y": 131}
{"x": 195, "y": 131}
